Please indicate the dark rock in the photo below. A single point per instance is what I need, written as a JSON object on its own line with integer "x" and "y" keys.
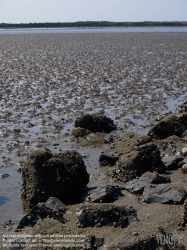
{"x": 174, "y": 124}
{"x": 95, "y": 123}
{"x": 3, "y": 176}
{"x": 108, "y": 159}
{"x": 52, "y": 208}
{"x": 62, "y": 175}
{"x": 158, "y": 178}
{"x": 102, "y": 194}
{"x": 92, "y": 214}
{"x": 79, "y": 132}
{"x": 172, "y": 162}
{"x": 144, "y": 236}
{"x": 142, "y": 159}
{"x": 164, "y": 193}
{"x": 137, "y": 185}
{"x": 56, "y": 203}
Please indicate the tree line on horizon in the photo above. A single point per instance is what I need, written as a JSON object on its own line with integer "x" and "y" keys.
{"x": 91, "y": 24}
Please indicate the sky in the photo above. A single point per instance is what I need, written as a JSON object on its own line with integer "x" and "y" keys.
{"x": 26, "y": 11}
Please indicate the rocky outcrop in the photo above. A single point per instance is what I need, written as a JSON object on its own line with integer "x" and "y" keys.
{"x": 79, "y": 132}
{"x": 62, "y": 175}
{"x": 137, "y": 185}
{"x": 102, "y": 194}
{"x": 172, "y": 145}
{"x": 92, "y": 214}
{"x": 95, "y": 123}
{"x": 164, "y": 193}
{"x": 52, "y": 208}
{"x": 143, "y": 158}
{"x": 174, "y": 124}
{"x": 173, "y": 162}
{"x": 108, "y": 159}
{"x": 156, "y": 189}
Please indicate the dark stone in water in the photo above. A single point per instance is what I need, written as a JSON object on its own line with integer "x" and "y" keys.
{"x": 95, "y": 123}
{"x": 3, "y": 176}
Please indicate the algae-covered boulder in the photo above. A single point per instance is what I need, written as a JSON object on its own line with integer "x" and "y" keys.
{"x": 95, "y": 123}
{"x": 62, "y": 175}
{"x": 108, "y": 159}
{"x": 96, "y": 214}
{"x": 79, "y": 132}
{"x": 174, "y": 124}
{"x": 143, "y": 158}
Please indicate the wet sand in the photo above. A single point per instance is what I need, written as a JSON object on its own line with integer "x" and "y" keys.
{"x": 47, "y": 80}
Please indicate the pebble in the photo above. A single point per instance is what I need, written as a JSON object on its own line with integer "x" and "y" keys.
{"x": 3, "y": 176}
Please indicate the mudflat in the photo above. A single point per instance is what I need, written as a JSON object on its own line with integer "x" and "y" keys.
{"x": 49, "y": 80}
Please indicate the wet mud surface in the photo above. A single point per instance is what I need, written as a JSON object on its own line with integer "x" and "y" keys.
{"x": 48, "y": 80}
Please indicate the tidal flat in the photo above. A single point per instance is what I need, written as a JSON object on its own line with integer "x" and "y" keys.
{"x": 48, "y": 80}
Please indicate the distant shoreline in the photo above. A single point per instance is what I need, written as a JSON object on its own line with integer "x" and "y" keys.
{"x": 93, "y": 24}
{"x": 86, "y": 30}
